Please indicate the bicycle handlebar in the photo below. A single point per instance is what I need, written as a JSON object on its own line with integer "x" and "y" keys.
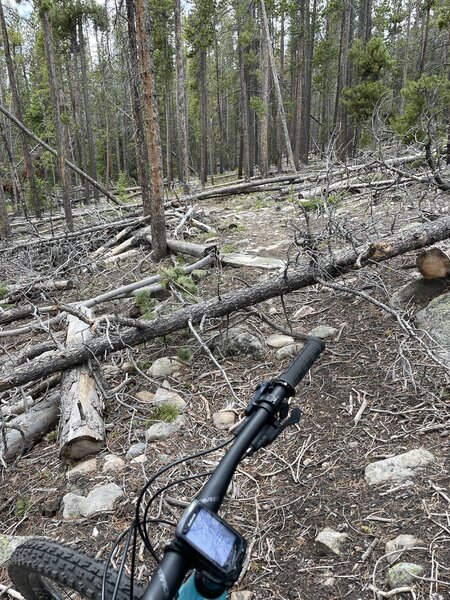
{"x": 173, "y": 568}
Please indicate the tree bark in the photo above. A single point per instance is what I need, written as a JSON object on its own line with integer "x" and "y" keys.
{"x": 58, "y": 122}
{"x": 18, "y": 111}
{"x": 182, "y": 130}
{"x": 343, "y": 261}
{"x": 264, "y": 121}
{"x": 87, "y": 108}
{"x": 152, "y": 131}
{"x": 287, "y": 141}
{"x": 5, "y": 227}
{"x": 82, "y": 430}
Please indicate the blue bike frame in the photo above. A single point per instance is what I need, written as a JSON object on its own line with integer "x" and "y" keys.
{"x": 188, "y": 591}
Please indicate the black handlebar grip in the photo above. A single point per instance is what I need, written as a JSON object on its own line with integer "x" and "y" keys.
{"x": 304, "y": 361}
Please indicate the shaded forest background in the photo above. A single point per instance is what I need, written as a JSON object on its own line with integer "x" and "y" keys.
{"x": 157, "y": 92}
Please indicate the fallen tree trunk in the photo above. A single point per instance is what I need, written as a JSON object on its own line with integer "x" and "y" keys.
{"x": 30, "y": 427}
{"x": 343, "y": 261}
{"x": 12, "y": 292}
{"x": 82, "y": 429}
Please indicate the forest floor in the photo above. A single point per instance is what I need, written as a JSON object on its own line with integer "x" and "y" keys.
{"x": 313, "y": 475}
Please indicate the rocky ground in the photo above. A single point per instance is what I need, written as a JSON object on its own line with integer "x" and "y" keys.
{"x": 351, "y": 503}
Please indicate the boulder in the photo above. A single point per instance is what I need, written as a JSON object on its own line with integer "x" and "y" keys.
{"x": 329, "y": 541}
{"x": 237, "y": 341}
{"x": 401, "y": 542}
{"x": 164, "y": 366}
{"x": 435, "y": 319}
{"x": 404, "y": 574}
{"x": 8, "y": 543}
{"x": 417, "y": 291}
{"x": 101, "y": 499}
{"x": 163, "y": 430}
{"x": 398, "y": 468}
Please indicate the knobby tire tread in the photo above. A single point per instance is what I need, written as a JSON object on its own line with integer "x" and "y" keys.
{"x": 65, "y": 566}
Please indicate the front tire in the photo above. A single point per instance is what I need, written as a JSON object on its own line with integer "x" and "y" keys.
{"x": 45, "y": 570}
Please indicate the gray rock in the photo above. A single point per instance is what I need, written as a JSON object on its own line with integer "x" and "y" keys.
{"x": 288, "y": 351}
{"x": 164, "y": 396}
{"x": 136, "y": 450}
{"x": 164, "y": 366}
{"x": 8, "y": 543}
{"x": 278, "y": 340}
{"x": 417, "y": 291}
{"x": 435, "y": 319}
{"x": 329, "y": 541}
{"x": 238, "y": 341}
{"x": 404, "y": 574}
{"x": 145, "y": 396}
{"x": 101, "y": 499}
{"x": 323, "y": 331}
{"x": 160, "y": 431}
{"x": 224, "y": 419}
{"x": 242, "y": 595}
{"x": 398, "y": 468}
{"x": 71, "y": 506}
{"x": 81, "y": 469}
{"x": 113, "y": 464}
{"x": 401, "y": 542}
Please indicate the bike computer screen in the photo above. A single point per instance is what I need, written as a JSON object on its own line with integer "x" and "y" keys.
{"x": 216, "y": 546}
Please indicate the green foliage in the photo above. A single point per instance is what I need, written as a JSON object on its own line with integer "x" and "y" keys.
{"x": 227, "y": 248}
{"x": 426, "y": 109}
{"x": 319, "y": 202}
{"x": 146, "y": 304}
{"x": 175, "y": 276}
{"x": 122, "y": 183}
{"x": 3, "y": 291}
{"x": 166, "y": 413}
{"x": 184, "y": 355}
{"x": 200, "y": 26}
{"x": 362, "y": 98}
{"x": 257, "y": 105}
{"x": 22, "y": 506}
{"x": 370, "y": 60}
{"x": 52, "y": 436}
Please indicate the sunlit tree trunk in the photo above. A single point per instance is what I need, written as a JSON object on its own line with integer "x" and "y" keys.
{"x": 17, "y": 107}
{"x": 158, "y": 224}
{"x": 58, "y": 122}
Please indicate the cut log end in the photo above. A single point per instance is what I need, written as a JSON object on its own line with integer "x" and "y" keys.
{"x": 433, "y": 264}
{"x": 80, "y": 448}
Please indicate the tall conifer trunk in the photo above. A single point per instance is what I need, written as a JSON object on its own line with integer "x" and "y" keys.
{"x": 182, "y": 129}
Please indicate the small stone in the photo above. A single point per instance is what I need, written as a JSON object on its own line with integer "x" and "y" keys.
{"x": 164, "y": 366}
{"x": 398, "y": 468}
{"x": 139, "y": 459}
{"x": 401, "y": 542}
{"x": 224, "y": 419}
{"x": 81, "y": 469}
{"x": 307, "y": 462}
{"x": 353, "y": 444}
{"x": 273, "y": 310}
{"x": 164, "y": 396}
{"x": 8, "y": 543}
{"x": 237, "y": 341}
{"x": 160, "y": 431}
{"x": 279, "y": 341}
{"x": 242, "y": 595}
{"x": 71, "y": 506}
{"x": 136, "y": 450}
{"x": 444, "y": 433}
{"x": 288, "y": 351}
{"x": 329, "y": 541}
{"x": 101, "y": 499}
{"x": 127, "y": 367}
{"x": 145, "y": 396}
{"x": 113, "y": 464}
{"x": 50, "y": 507}
{"x": 304, "y": 311}
{"x": 110, "y": 370}
{"x": 404, "y": 574}
{"x": 323, "y": 331}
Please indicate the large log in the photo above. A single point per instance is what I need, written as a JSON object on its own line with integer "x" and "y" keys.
{"x": 30, "y": 427}
{"x": 292, "y": 279}
{"x": 82, "y": 429}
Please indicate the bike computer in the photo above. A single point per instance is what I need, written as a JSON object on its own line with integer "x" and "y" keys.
{"x": 210, "y": 543}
